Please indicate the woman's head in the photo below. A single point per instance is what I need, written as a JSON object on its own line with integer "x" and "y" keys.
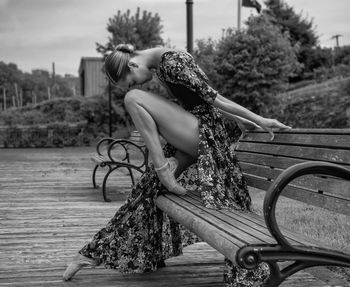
{"x": 122, "y": 70}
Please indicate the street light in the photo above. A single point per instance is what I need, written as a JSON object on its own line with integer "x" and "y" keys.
{"x": 189, "y": 14}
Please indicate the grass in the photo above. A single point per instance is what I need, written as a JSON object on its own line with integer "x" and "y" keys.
{"x": 322, "y": 225}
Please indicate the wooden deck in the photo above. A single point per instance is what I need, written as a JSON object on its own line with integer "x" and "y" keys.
{"x": 48, "y": 210}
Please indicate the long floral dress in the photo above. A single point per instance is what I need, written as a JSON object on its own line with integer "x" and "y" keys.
{"x": 140, "y": 237}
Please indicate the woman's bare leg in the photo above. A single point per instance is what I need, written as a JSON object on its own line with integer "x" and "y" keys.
{"x": 153, "y": 116}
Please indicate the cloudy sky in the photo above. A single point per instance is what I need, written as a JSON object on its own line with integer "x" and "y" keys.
{"x": 35, "y": 33}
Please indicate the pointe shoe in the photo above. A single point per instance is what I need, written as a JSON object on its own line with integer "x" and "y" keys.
{"x": 167, "y": 178}
{"x": 78, "y": 263}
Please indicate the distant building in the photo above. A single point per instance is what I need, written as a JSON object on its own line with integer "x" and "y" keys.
{"x": 92, "y": 80}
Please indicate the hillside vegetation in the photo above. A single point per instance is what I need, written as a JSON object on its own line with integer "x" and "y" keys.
{"x": 322, "y": 105}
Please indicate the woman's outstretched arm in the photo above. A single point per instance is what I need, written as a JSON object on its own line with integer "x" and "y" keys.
{"x": 242, "y": 123}
{"x": 235, "y": 109}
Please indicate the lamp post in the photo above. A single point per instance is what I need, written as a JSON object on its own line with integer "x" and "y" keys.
{"x": 189, "y": 14}
{"x": 239, "y": 14}
{"x": 110, "y": 108}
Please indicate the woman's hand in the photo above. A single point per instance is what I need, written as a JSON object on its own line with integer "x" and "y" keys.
{"x": 270, "y": 124}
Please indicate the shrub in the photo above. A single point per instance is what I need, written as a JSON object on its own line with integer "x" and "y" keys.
{"x": 254, "y": 65}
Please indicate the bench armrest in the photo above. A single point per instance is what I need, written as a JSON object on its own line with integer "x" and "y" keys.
{"x": 126, "y": 144}
{"x": 100, "y": 145}
{"x": 295, "y": 171}
{"x": 303, "y": 256}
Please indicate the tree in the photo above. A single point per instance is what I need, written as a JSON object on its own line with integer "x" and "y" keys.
{"x": 254, "y": 64}
{"x": 141, "y": 31}
{"x": 300, "y": 29}
{"x": 204, "y": 54}
{"x": 9, "y": 76}
{"x": 342, "y": 55}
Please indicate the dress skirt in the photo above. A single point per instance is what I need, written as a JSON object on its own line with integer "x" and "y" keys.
{"x": 140, "y": 237}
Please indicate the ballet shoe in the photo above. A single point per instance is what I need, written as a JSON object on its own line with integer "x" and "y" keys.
{"x": 78, "y": 263}
{"x": 167, "y": 178}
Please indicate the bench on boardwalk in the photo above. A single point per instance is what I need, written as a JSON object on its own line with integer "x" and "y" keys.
{"x": 118, "y": 153}
{"x": 307, "y": 165}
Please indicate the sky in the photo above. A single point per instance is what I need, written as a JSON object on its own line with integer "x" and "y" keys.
{"x": 36, "y": 33}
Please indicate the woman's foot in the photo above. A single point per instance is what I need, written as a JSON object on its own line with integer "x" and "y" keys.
{"x": 78, "y": 263}
{"x": 167, "y": 178}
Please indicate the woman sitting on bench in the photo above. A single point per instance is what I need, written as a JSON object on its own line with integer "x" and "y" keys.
{"x": 197, "y": 157}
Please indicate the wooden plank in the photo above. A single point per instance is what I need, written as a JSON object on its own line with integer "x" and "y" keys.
{"x": 329, "y": 186}
{"x": 302, "y": 139}
{"x": 267, "y": 160}
{"x": 215, "y": 237}
{"x": 47, "y": 234}
{"x": 333, "y": 204}
{"x": 231, "y": 223}
{"x": 307, "y": 153}
{"x": 257, "y": 222}
{"x": 308, "y": 131}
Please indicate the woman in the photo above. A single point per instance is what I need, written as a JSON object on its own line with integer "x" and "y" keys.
{"x": 197, "y": 156}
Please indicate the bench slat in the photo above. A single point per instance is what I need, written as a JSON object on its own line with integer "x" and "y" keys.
{"x": 213, "y": 219}
{"x": 268, "y": 160}
{"x": 333, "y": 204}
{"x": 231, "y": 223}
{"x": 257, "y": 222}
{"x": 317, "y": 140}
{"x": 214, "y": 237}
{"x": 330, "y": 186}
{"x": 254, "y": 221}
{"x": 306, "y": 153}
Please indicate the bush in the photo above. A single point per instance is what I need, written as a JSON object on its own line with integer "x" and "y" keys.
{"x": 325, "y": 73}
{"x": 51, "y": 135}
{"x": 254, "y": 65}
{"x": 57, "y": 114}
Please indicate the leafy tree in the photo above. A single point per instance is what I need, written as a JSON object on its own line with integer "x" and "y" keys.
{"x": 254, "y": 64}
{"x": 300, "y": 29}
{"x": 204, "y": 53}
{"x": 9, "y": 76}
{"x": 342, "y": 55}
{"x": 36, "y": 82}
{"x": 143, "y": 31}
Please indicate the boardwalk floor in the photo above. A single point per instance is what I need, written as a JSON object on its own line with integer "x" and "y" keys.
{"x": 48, "y": 210}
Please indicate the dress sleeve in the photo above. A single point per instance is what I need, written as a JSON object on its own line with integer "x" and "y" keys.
{"x": 180, "y": 68}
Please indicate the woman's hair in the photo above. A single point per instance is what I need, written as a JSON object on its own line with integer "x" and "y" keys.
{"x": 116, "y": 63}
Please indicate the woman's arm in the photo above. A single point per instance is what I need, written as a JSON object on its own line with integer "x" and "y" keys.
{"x": 235, "y": 109}
{"x": 242, "y": 123}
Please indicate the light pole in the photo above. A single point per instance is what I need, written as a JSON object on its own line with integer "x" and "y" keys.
{"x": 109, "y": 108}
{"x": 239, "y": 14}
{"x": 189, "y": 14}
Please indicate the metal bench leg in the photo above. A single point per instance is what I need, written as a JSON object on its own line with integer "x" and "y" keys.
{"x": 131, "y": 175}
{"x": 251, "y": 256}
{"x": 105, "y": 183}
{"x": 94, "y": 176}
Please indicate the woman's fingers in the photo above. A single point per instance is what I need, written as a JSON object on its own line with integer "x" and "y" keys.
{"x": 278, "y": 124}
{"x": 275, "y": 124}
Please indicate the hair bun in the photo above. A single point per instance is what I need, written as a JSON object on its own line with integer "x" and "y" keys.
{"x": 126, "y": 48}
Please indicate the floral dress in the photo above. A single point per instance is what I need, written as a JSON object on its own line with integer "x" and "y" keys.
{"x": 140, "y": 237}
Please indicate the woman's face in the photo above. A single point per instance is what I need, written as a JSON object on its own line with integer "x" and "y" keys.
{"x": 136, "y": 76}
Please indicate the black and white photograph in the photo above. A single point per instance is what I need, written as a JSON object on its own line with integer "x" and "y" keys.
{"x": 168, "y": 143}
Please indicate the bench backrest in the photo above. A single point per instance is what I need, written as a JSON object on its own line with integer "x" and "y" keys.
{"x": 263, "y": 160}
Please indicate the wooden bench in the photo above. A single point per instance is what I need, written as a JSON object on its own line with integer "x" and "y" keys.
{"x": 308, "y": 165}
{"x": 116, "y": 153}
